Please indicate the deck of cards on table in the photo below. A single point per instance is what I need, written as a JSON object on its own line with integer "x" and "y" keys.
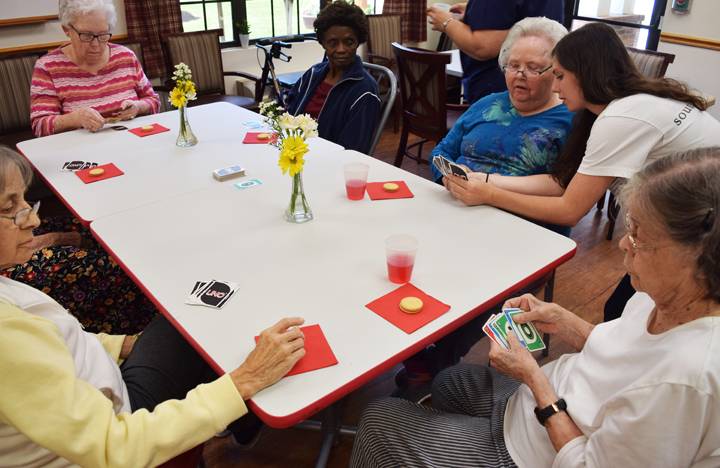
{"x": 499, "y": 325}
{"x": 211, "y": 293}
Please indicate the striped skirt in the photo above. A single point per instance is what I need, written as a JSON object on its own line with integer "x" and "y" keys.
{"x": 464, "y": 428}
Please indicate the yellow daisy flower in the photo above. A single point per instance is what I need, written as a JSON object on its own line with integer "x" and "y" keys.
{"x": 177, "y": 97}
{"x": 292, "y": 155}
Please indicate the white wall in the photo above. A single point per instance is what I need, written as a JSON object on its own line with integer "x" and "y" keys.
{"x": 43, "y": 33}
{"x": 698, "y": 67}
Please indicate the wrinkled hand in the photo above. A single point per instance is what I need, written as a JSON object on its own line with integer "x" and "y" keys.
{"x": 546, "y": 316}
{"x": 51, "y": 239}
{"x": 276, "y": 352}
{"x": 88, "y": 118}
{"x": 130, "y": 110}
{"x": 473, "y": 191}
{"x": 458, "y": 8}
{"x": 436, "y": 17}
{"x": 517, "y": 362}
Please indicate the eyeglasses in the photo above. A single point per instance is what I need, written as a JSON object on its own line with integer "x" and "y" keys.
{"x": 526, "y": 72}
{"x": 23, "y": 215}
{"x": 89, "y": 37}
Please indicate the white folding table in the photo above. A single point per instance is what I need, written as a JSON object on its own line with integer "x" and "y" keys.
{"x": 155, "y": 169}
{"x": 325, "y": 270}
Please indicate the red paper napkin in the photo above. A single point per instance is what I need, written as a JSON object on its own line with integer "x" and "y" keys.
{"x": 156, "y": 128}
{"x": 388, "y": 307}
{"x": 111, "y": 170}
{"x": 317, "y": 351}
{"x": 376, "y": 191}
{"x": 251, "y": 138}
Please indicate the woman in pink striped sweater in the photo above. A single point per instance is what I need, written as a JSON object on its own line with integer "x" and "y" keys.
{"x": 89, "y": 81}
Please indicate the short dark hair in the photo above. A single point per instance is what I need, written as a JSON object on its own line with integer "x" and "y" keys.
{"x": 682, "y": 191}
{"x": 341, "y": 13}
{"x": 9, "y": 158}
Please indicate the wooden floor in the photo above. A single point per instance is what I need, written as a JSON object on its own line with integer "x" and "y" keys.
{"x": 582, "y": 285}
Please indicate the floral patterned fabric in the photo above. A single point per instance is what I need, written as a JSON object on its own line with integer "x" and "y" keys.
{"x": 86, "y": 281}
{"x": 491, "y": 136}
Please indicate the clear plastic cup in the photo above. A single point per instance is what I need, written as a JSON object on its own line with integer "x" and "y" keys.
{"x": 400, "y": 252}
{"x": 441, "y": 6}
{"x": 355, "y": 180}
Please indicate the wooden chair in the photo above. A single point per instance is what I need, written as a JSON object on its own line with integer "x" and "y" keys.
{"x": 653, "y": 65}
{"x": 423, "y": 97}
{"x": 201, "y": 52}
{"x": 15, "y": 76}
{"x": 383, "y": 31}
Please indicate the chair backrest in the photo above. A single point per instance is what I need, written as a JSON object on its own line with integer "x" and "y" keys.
{"x": 201, "y": 52}
{"x": 387, "y": 87}
{"x": 383, "y": 30}
{"x": 15, "y": 77}
{"x": 136, "y": 47}
{"x": 445, "y": 43}
{"x": 423, "y": 90}
{"x": 651, "y": 63}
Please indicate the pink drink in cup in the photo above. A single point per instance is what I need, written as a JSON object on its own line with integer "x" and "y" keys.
{"x": 355, "y": 180}
{"x": 400, "y": 251}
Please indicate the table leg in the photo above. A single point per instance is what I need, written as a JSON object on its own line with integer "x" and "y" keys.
{"x": 331, "y": 428}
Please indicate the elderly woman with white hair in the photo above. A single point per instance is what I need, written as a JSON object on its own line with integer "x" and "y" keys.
{"x": 641, "y": 390}
{"x": 90, "y": 80}
{"x": 519, "y": 131}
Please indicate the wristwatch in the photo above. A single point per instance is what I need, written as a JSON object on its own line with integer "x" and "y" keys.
{"x": 544, "y": 414}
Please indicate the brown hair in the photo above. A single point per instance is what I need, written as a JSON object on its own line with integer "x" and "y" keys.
{"x": 9, "y": 158}
{"x": 683, "y": 192}
{"x": 600, "y": 62}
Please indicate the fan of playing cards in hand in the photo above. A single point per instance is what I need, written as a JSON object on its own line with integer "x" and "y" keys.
{"x": 499, "y": 325}
{"x": 447, "y": 167}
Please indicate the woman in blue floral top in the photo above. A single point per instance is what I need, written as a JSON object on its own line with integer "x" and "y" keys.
{"x": 520, "y": 131}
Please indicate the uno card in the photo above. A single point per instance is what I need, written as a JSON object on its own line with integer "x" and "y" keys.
{"x": 72, "y": 166}
{"x": 526, "y": 332}
{"x": 501, "y": 326}
{"x": 489, "y": 332}
{"x": 212, "y": 293}
{"x": 458, "y": 171}
{"x": 248, "y": 184}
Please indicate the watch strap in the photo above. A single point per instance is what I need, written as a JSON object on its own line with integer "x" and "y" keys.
{"x": 544, "y": 414}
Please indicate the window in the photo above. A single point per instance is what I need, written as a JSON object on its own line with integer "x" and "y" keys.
{"x": 637, "y": 22}
{"x": 266, "y": 18}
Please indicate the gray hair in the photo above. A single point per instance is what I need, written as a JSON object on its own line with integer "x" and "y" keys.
{"x": 10, "y": 158}
{"x": 682, "y": 191}
{"x": 69, "y": 10}
{"x": 540, "y": 26}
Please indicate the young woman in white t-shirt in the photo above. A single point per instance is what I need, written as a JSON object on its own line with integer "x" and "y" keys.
{"x": 624, "y": 121}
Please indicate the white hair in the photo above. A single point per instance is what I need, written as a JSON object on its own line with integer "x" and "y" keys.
{"x": 541, "y": 27}
{"x": 70, "y": 10}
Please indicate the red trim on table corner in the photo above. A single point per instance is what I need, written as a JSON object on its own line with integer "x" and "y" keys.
{"x": 83, "y": 221}
{"x": 214, "y": 365}
{"x": 283, "y": 422}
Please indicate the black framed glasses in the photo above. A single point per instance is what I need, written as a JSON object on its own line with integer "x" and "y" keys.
{"x": 22, "y": 215}
{"x": 89, "y": 37}
{"x": 527, "y": 72}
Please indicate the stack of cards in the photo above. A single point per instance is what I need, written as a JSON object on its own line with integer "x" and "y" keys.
{"x": 72, "y": 166}
{"x": 211, "y": 293}
{"x": 447, "y": 167}
{"x": 498, "y": 326}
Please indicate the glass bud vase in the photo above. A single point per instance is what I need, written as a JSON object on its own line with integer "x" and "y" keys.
{"x": 298, "y": 211}
{"x": 186, "y": 137}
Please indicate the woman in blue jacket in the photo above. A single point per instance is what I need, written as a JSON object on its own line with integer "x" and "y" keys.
{"x": 338, "y": 92}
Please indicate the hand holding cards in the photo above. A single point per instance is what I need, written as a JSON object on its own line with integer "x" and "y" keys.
{"x": 447, "y": 167}
{"x": 499, "y": 325}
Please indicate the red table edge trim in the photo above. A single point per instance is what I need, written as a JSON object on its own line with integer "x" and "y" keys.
{"x": 218, "y": 370}
{"x": 289, "y": 420}
{"x": 83, "y": 221}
